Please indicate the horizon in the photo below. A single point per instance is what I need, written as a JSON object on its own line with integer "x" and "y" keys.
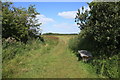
{"x": 59, "y": 33}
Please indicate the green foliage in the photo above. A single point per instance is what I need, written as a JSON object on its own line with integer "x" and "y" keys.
{"x": 100, "y": 34}
{"x": 102, "y": 22}
{"x": 82, "y": 42}
{"x": 107, "y": 67}
{"x": 19, "y": 22}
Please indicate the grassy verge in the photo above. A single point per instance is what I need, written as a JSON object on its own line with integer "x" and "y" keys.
{"x": 15, "y": 53}
{"x": 104, "y": 66}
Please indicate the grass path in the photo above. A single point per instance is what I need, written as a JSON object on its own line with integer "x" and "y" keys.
{"x": 60, "y": 62}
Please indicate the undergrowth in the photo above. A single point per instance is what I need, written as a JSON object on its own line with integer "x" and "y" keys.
{"x": 10, "y": 50}
{"x": 14, "y": 53}
{"x": 104, "y": 65}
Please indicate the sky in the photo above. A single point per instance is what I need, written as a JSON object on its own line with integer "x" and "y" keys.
{"x": 56, "y": 17}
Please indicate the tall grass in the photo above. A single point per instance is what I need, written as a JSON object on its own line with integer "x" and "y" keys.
{"x": 105, "y": 66}
{"x": 10, "y": 50}
{"x": 14, "y": 53}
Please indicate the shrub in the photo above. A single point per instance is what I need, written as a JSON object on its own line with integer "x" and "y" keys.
{"x": 10, "y": 50}
{"x": 82, "y": 42}
{"x": 104, "y": 65}
{"x": 107, "y": 67}
{"x": 14, "y": 53}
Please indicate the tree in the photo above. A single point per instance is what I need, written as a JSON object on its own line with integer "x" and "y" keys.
{"x": 102, "y": 22}
{"x": 17, "y": 22}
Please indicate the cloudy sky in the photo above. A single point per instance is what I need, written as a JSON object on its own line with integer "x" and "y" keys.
{"x": 56, "y": 17}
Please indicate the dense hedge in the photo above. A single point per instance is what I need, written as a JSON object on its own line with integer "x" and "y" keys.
{"x": 100, "y": 34}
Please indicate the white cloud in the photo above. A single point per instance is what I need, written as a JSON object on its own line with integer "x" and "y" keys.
{"x": 43, "y": 19}
{"x": 68, "y": 14}
{"x": 71, "y": 14}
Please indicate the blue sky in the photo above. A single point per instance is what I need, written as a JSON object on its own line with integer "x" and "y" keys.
{"x": 57, "y": 17}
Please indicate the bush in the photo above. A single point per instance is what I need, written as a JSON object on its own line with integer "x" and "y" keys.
{"x": 100, "y": 34}
{"x": 82, "y": 42}
{"x": 14, "y": 53}
{"x": 10, "y": 50}
{"x": 104, "y": 65}
{"x": 107, "y": 67}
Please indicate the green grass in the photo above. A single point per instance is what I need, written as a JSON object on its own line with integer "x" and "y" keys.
{"x": 15, "y": 53}
{"x": 104, "y": 66}
{"x": 50, "y": 61}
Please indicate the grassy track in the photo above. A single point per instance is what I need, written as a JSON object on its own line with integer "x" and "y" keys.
{"x": 60, "y": 62}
